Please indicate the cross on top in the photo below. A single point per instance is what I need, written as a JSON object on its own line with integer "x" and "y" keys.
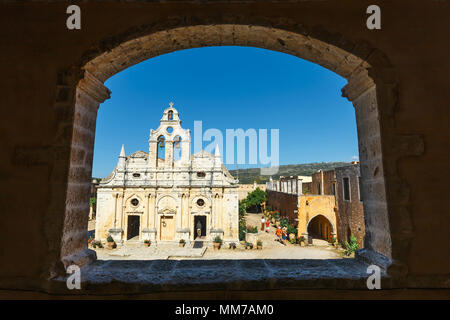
{"x": 171, "y": 104}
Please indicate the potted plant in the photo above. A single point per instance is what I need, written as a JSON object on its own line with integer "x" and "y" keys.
{"x": 259, "y": 244}
{"x": 97, "y": 244}
{"x": 182, "y": 243}
{"x": 147, "y": 243}
{"x": 301, "y": 240}
{"x": 91, "y": 241}
{"x": 217, "y": 242}
{"x": 110, "y": 242}
{"x": 333, "y": 240}
{"x": 248, "y": 245}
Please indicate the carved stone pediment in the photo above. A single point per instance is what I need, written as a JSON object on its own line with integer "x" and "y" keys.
{"x": 166, "y": 211}
{"x": 138, "y": 154}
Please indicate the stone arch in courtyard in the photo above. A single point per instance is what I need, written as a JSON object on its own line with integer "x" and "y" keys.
{"x": 321, "y": 226}
{"x": 371, "y": 87}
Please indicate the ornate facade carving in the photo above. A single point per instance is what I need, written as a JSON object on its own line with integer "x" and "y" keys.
{"x": 167, "y": 193}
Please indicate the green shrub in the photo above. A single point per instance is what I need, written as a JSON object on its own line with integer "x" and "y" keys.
{"x": 182, "y": 241}
{"x": 352, "y": 246}
{"x": 242, "y": 228}
{"x": 284, "y": 222}
{"x": 252, "y": 229}
{"x": 291, "y": 229}
{"x": 259, "y": 243}
{"x": 109, "y": 239}
{"x": 218, "y": 239}
{"x": 97, "y": 243}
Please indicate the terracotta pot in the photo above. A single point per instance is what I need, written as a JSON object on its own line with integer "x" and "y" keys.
{"x": 259, "y": 247}
{"x": 147, "y": 244}
{"x": 216, "y": 245}
{"x": 181, "y": 245}
{"x": 110, "y": 245}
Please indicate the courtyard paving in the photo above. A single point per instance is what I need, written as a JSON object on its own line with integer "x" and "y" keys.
{"x": 271, "y": 249}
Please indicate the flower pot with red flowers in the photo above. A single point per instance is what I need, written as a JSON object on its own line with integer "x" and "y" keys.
{"x": 90, "y": 241}
{"x": 302, "y": 241}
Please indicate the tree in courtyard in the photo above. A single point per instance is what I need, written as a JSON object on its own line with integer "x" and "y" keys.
{"x": 255, "y": 199}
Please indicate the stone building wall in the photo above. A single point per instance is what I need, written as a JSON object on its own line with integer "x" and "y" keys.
{"x": 285, "y": 203}
{"x": 322, "y": 182}
{"x": 350, "y": 212}
{"x": 245, "y": 189}
{"x": 312, "y": 206}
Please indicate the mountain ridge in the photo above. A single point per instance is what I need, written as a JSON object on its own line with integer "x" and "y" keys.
{"x": 249, "y": 175}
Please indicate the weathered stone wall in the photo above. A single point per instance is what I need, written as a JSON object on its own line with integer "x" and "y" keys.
{"x": 350, "y": 212}
{"x": 285, "y": 203}
{"x": 406, "y": 61}
{"x": 324, "y": 180}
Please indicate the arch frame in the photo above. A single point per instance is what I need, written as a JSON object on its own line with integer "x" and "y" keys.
{"x": 319, "y": 214}
{"x": 372, "y": 85}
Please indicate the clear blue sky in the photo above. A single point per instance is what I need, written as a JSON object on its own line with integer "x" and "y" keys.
{"x": 229, "y": 88}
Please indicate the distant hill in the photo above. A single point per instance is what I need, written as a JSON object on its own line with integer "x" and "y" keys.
{"x": 247, "y": 176}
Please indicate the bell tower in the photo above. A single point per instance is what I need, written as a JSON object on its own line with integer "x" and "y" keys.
{"x": 168, "y": 137}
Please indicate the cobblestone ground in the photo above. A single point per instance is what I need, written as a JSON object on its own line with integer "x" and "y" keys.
{"x": 271, "y": 249}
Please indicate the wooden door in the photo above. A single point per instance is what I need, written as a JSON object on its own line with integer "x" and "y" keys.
{"x": 167, "y": 227}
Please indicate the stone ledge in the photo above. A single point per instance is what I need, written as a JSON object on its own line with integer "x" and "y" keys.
{"x": 140, "y": 277}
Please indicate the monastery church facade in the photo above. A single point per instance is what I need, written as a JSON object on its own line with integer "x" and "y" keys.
{"x": 168, "y": 194}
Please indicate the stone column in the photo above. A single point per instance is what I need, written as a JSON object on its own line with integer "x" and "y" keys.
{"x": 81, "y": 121}
{"x": 213, "y": 212}
{"x": 122, "y": 207}
{"x": 115, "y": 195}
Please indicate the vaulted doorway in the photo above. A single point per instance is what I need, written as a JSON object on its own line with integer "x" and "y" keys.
{"x": 167, "y": 228}
{"x": 199, "y": 224}
{"x": 133, "y": 227}
{"x": 320, "y": 228}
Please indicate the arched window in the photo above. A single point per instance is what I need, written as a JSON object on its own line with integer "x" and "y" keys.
{"x": 170, "y": 115}
{"x": 161, "y": 147}
{"x": 177, "y": 148}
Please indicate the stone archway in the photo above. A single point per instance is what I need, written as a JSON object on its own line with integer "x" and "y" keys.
{"x": 354, "y": 63}
{"x": 320, "y": 227}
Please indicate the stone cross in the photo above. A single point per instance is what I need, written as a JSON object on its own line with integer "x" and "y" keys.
{"x": 171, "y": 104}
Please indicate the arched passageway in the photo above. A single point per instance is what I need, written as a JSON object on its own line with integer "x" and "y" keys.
{"x": 320, "y": 227}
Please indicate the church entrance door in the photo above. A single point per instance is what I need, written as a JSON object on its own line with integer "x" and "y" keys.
{"x": 133, "y": 227}
{"x": 167, "y": 228}
{"x": 199, "y": 223}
